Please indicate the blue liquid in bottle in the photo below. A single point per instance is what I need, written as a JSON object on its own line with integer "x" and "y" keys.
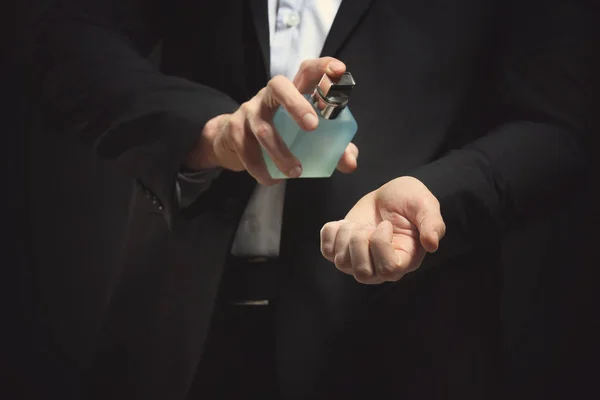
{"x": 320, "y": 150}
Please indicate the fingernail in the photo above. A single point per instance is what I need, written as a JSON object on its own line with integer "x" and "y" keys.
{"x": 295, "y": 172}
{"x": 336, "y": 66}
{"x": 310, "y": 121}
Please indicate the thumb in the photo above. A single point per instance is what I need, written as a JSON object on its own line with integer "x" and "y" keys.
{"x": 431, "y": 226}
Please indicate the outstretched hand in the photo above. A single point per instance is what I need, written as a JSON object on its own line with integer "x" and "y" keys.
{"x": 387, "y": 233}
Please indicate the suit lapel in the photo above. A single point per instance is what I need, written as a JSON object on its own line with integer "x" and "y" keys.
{"x": 260, "y": 17}
{"x": 347, "y": 19}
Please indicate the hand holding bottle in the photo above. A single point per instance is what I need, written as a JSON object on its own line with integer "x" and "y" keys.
{"x": 234, "y": 141}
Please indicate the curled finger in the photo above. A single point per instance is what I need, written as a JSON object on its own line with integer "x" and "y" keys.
{"x": 341, "y": 257}
{"x": 387, "y": 263}
{"x": 251, "y": 156}
{"x": 360, "y": 257}
{"x": 247, "y": 147}
{"x": 281, "y": 91}
{"x": 328, "y": 234}
{"x": 267, "y": 136}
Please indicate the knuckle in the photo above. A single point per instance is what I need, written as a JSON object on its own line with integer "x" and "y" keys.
{"x": 362, "y": 274}
{"x": 326, "y": 250}
{"x": 429, "y": 202}
{"x": 261, "y": 92}
{"x": 325, "y": 231}
{"x": 389, "y": 272}
{"x": 340, "y": 262}
{"x": 305, "y": 65}
{"x": 276, "y": 81}
{"x": 262, "y": 132}
{"x": 422, "y": 202}
{"x": 326, "y": 228}
{"x": 357, "y": 240}
{"x": 236, "y": 126}
{"x": 246, "y": 107}
{"x": 377, "y": 241}
{"x": 386, "y": 271}
{"x": 442, "y": 229}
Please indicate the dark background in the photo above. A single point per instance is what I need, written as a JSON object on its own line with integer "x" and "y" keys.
{"x": 551, "y": 301}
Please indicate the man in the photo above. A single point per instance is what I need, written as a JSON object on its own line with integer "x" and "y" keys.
{"x": 430, "y": 78}
{"x": 192, "y": 140}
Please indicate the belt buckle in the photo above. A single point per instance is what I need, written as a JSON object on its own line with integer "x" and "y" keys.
{"x": 251, "y": 303}
{"x": 257, "y": 260}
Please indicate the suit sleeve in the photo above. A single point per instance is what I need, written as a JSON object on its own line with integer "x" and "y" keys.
{"x": 94, "y": 82}
{"x": 535, "y": 155}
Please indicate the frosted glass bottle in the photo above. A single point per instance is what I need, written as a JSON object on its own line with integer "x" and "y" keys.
{"x": 320, "y": 150}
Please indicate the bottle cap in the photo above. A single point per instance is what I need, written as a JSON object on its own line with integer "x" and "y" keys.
{"x": 331, "y": 95}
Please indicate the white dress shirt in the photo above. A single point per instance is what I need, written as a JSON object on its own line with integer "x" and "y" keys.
{"x": 297, "y": 31}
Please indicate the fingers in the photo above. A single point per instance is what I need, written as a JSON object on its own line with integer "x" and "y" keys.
{"x": 328, "y": 234}
{"x": 267, "y": 136}
{"x": 398, "y": 245}
{"x": 245, "y": 148}
{"x": 311, "y": 72}
{"x": 360, "y": 257}
{"x": 385, "y": 259}
{"x": 364, "y": 252}
{"x": 348, "y": 161}
{"x": 352, "y": 253}
{"x": 281, "y": 91}
{"x": 251, "y": 127}
{"x": 341, "y": 248}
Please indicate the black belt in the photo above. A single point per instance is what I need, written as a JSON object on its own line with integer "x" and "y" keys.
{"x": 252, "y": 281}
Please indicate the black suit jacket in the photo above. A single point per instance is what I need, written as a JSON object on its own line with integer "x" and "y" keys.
{"x": 485, "y": 102}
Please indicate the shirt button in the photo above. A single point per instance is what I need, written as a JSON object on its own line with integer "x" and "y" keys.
{"x": 292, "y": 19}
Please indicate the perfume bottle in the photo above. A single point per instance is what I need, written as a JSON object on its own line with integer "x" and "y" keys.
{"x": 320, "y": 150}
